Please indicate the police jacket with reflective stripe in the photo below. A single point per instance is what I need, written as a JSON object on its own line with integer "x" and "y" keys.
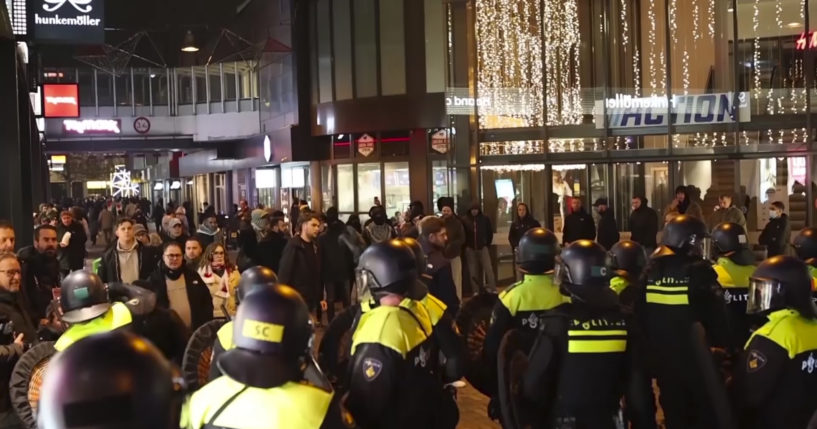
{"x": 116, "y": 317}
{"x": 734, "y": 279}
{"x": 776, "y": 385}
{"x": 227, "y": 403}
{"x": 391, "y": 382}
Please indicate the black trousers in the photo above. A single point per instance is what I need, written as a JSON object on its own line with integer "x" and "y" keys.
{"x": 335, "y": 291}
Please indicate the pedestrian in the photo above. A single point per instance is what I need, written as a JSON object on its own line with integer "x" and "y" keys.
{"x": 378, "y": 230}
{"x": 608, "y": 228}
{"x": 181, "y": 289}
{"x": 524, "y": 221}
{"x": 174, "y": 231}
{"x": 72, "y": 238}
{"x": 336, "y": 267}
{"x": 455, "y": 231}
{"x": 106, "y": 223}
{"x": 270, "y": 248}
{"x": 683, "y": 204}
{"x": 416, "y": 212}
{"x": 192, "y": 253}
{"x": 127, "y": 260}
{"x": 17, "y": 332}
{"x": 221, "y": 278}
{"x": 776, "y": 236}
{"x": 579, "y": 224}
{"x": 41, "y": 271}
{"x": 301, "y": 261}
{"x": 479, "y": 235}
{"x": 354, "y": 222}
{"x": 644, "y": 224}
{"x": 209, "y": 232}
{"x": 438, "y": 276}
{"x": 7, "y": 237}
{"x": 725, "y": 212}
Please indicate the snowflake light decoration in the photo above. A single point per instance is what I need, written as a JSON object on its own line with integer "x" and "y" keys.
{"x": 121, "y": 183}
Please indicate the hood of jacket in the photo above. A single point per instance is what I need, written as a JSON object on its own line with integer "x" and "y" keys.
{"x": 205, "y": 229}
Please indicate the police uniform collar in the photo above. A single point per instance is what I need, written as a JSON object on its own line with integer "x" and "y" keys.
{"x": 255, "y": 369}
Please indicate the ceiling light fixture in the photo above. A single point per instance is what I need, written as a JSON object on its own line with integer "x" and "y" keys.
{"x": 189, "y": 42}
{"x": 794, "y": 25}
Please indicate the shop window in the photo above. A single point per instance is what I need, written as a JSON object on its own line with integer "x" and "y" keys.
{"x": 766, "y": 180}
{"x": 394, "y": 144}
{"x": 443, "y": 181}
{"x": 398, "y": 194}
{"x": 324, "y": 52}
{"x": 185, "y": 86}
{"x": 392, "y": 47}
{"x": 158, "y": 84}
{"x": 200, "y": 75}
{"x": 246, "y": 85}
{"x": 343, "y": 49}
{"x": 327, "y": 186}
{"x": 368, "y": 186}
{"x": 365, "y": 49}
{"x": 346, "y": 188}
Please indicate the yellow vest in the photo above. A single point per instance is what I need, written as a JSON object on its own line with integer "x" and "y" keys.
{"x": 618, "y": 284}
{"x": 225, "y": 336}
{"x": 732, "y": 275}
{"x": 813, "y": 271}
{"x": 116, "y": 317}
{"x": 435, "y": 307}
{"x": 292, "y": 405}
{"x": 790, "y": 331}
{"x": 401, "y": 328}
{"x": 533, "y": 293}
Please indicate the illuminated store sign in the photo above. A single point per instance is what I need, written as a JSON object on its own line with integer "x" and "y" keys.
{"x": 91, "y": 126}
{"x": 60, "y": 100}
{"x": 69, "y": 21}
{"x": 628, "y": 112}
{"x": 806, "y": 41}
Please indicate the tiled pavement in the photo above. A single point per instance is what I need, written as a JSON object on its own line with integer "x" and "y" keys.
{"x": 473, "y": 410}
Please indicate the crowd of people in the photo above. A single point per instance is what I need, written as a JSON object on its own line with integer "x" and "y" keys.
{"x": 729, "y": 341}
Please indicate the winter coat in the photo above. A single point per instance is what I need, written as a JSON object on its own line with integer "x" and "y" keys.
{"x": 438, "y": 277}
{"x": 72, "y": 257}
{"x": 374, "y": 233}
{"x": 479, "y": 232}
{"x": 579, "y": 225}
{"x": 201, "y": 303}
{"x": 456, "y": 236}
{"x": 776, "y": 236}
{"x": 207, "y": 237}
{"x": 41, "y": 273}
{"x": 337, "y": 267}
{"x": 301, "y": 268}
{"x": 12, "y": 309}
{"x": 608, "y": 229}
{"x": 106, "y": 219}
{"x": 644, "y": 226}
{"x": 109, "y": 268}
{"x": 519, "y": 227}
{"x": 732, "y": 214}
{"x": 222, "y": 289}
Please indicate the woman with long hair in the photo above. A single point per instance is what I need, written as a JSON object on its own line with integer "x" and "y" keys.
{"x": 221, "y": 277}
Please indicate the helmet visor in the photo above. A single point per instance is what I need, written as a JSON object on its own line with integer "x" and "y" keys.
{"x": 364, "y": 283}
{"x": 761, "y": 294}
{"x": 699, "y": 246}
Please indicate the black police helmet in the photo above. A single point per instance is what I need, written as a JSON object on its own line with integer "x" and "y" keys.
{"x": 388, "y": 267}
{"x": 805, "y": 244}
{"x": 109, "y": 381}
{"x": 729, "y": 237}
{"x": 419, "y": 255}
{"x": 781, "y": 282}
{"x": 627, "y": 259}
{"x": 83, "y": 297}
{"x": 582, "y": 271}
{"x": 252, "y": 279}
{"x": 684, "y": 234}
{"x": 272, "y": 332}
{"x": 537, "y": 250}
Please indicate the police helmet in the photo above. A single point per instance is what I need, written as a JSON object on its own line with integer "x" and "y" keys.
{"x": 685, "y": 235}
{"x": 419, "y": 255}
{"x": 272, "y": 332}
{"x": 581, "y": 271}
{"x": 537, "y": 250}
{"x": 805, "y": 244}
{"x": 729, "y": 237}
{"x": 252, "y": 279}
{"x": 83, "y": 297}
{"x": 107, "y": 381}
{"x": 781, "y": 282}
{"x": 388, "y": 267}
{"x": 627, "y": 259}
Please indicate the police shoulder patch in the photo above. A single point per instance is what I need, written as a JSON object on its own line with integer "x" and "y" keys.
{"x": 756, "y": 361}
{"x": 371, "y": 368}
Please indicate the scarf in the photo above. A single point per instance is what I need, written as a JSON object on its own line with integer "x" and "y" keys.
{"x": 172, "y": 274}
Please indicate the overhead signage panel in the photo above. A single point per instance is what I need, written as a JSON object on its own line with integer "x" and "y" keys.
{"x": 60, "y": 100}
{"x": 91, "y": 127}
{"x": 68, "y": 21}
{"x": 624, "y": 111}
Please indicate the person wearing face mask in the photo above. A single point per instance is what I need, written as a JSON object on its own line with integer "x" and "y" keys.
{"x": 378, "y": 230}
{"x": 777, "y": 233}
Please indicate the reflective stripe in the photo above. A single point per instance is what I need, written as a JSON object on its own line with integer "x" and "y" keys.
{"x": 660, "y": 298}
{"x": 596, "y": 333}
{"x": 596, "y": 346}
{"x": 116, "y": 317}
{"x": 668, "y": 288}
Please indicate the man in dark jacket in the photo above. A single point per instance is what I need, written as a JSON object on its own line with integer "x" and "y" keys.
{"x": 127, "y": 260}
{"x": 41, "y": 271}
{"x": 644, "y": 224}
{"x": 479, "y": 234}
{"x": 16, "y": 331}
{"x": 208, "y": 231}
{"x": 608, "y": 229}
{"x": 301, "y": 261}
{"x": 175, "y": 232}
{"x": 271, "y": 247}
{"x": 437, "y": 275}
{"x": 524, "y": 221}
{"x": 335, "y": 269}
{"x": 456, "y": 239}
{"x": 72, "y": 247}
{"x": 776, "y": 236}
{"x": 181, "y": 289}
{"x": 579, "y": 224}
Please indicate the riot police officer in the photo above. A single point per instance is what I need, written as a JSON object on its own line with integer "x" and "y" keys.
{"x": 392, "y": 381}
{"x": 252, "y": 279}
{"x": 734, "y": 265}
{"x": 522, "y": 305}
{"x": 805, "y": 245}
{"x": 627, "y": 261}
{"x": 110, "y": 380}
{"x": 87, "y": 308}
{"x": 776, "y": 385}
{"x": 682, "y": 292}
{"x": 263, "y": 373}
{"x": 582, "y": 361}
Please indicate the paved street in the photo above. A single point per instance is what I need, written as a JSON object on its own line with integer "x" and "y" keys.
{"x": 473, "y": 406}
